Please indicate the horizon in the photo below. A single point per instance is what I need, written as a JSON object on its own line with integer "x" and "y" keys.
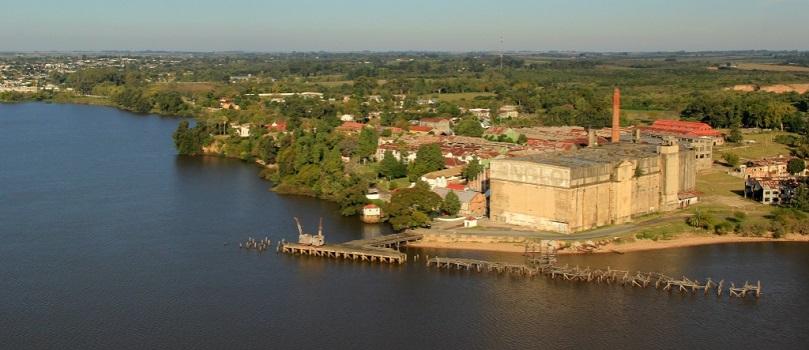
{"x": 418, "y": 26}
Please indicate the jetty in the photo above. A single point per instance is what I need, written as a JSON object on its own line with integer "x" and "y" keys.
{"x": 382, "y": 249}
{"x": 544, "y": 263}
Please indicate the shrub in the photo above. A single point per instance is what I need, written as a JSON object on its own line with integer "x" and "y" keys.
{"x": 724, "y": 228}
{"x": 752, "y": 229}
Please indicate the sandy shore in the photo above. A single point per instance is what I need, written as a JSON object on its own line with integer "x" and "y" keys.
{"x": 638, "y": 245}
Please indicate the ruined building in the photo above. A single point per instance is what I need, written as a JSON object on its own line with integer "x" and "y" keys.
{"x": 595, "y": 186}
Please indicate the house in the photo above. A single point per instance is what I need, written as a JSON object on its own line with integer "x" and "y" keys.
{"x": 371, "y": 214}
{"x": 472, "y": 203}
{"x": 277, "y": 126}
{"x": 767, "y": 167}
{"x": 442, "y": 178}
{"x": 440, "y": 125}
{"x": 417, "y": 129}
{"x": 228, "y": 104}
{"x": 508, "y": 111}
{"x": 470, "y": 221}
{"x": 768, "y": 190}
{"x": 350, "y": 127}
{"x": 346, "y": 118}
{"x": 372, "y": 194}
{"x": 481, "y": 113}
{"x": 243, "y": 130}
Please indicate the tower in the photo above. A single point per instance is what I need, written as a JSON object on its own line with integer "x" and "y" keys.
{"x": 616, "y": 116}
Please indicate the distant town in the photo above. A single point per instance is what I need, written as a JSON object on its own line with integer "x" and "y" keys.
{"x": 485, "y": 148}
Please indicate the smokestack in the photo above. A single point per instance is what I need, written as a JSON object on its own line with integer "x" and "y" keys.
{"x": 616, "y": 116}
{"x": 592, "y": 139}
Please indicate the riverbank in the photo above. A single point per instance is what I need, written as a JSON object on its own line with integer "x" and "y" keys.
{"x": 618, "y": 247}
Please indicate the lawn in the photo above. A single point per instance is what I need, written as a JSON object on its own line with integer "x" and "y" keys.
{"x": 648, "y": 117}
{"x": 764, "y": 147}
{"x": 461, "y": 96}
{"x": 771, "y": 67}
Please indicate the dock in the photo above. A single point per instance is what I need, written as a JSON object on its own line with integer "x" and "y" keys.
{"x": 382, "y": 249}
{"x": 543, "y": 262}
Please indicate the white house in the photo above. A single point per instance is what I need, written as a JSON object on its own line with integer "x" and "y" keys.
{"x": 243, "y": 130}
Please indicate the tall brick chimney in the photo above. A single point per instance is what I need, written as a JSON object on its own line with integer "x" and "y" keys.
{"x": 616, "y": 116}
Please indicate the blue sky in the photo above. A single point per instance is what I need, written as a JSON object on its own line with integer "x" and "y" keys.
{"x": 351, "y": 25}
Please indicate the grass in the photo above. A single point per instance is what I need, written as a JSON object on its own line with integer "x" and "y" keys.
{"x": 771, "y": 67}
{"x": 648, "y": 116}
{"x": 764, "y": 147}
{"x": 663, "y": 232}
{"x": 461, "y": 96}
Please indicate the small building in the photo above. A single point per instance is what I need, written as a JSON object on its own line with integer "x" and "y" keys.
{"x": 242, "y": 130}
{"x": 225, "y": 103}
{"x": 277, "y": 126}
{"x": 440, "y": 125}
{"x": 372, "y": 194}
{"x": 508, "y": 111}
{"x": 441, "y": 178}
{"x": 371, "y": 214}
{"x": 768, "y": 190}
{"x": 470, "y": 221}
{"x": 350, "y": 127}
{"x": 347, "y": 118}
{"x": 481, "y": 113}
{"x": 768, "y": 168}
{"x": 472, "y": 203}
{"x": 419, "y": 129}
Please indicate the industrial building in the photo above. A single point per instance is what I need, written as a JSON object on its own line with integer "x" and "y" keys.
{"x": 595, "y": 186}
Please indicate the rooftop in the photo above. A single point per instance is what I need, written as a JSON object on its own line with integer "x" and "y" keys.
{"x": 586, "y": 157}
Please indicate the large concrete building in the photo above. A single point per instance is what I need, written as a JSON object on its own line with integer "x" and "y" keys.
{"x": 580, "y": 190}
{"x": 595, "y": 186}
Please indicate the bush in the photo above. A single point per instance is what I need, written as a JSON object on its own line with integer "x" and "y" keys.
{"x": 724, "y": 228}
{"x": 752, "y": 229}
{"x": 778, "y": 230}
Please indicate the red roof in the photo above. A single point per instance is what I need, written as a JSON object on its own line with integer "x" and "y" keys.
{"x": 418, "y": 128}
{"x": 370, "y": 206}
{"x": 433, "y": 120}
{"x": 452, "y": 162}
{"x": 279, "y": 126}
{"x": 683, "y": 127}
{"x": 456, "y": 187}
{"x": 351, "y": 126}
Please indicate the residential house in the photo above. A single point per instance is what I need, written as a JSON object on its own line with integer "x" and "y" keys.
{"x": 472, "y": 203}
{"x": 440, "y": 125}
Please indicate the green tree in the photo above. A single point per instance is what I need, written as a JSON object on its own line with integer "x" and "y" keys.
{"x": 522, "y": 139}
{"x": 391, "y": 168}
{"x": 796, "y": 166}
{"x": 469, "y": 126}
{"x": 451, "y": 204}
{"x": 189, "y": 141}
{"x": 367, "y": 143}
{"x": 731, "y": 159}
{"x": 735, "y": 135}
{"x": 800, "y": 200}
{"x": 412, "y": 207}
{"x": 428, "y": 158}
{"x": 700, "y": 219}
{"x": 472, "y": 169}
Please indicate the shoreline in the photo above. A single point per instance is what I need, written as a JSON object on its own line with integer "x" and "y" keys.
{"x": 612, "y": 248}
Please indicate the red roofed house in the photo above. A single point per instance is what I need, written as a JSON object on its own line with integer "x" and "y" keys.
{"x": 685, "y": 130}
{"x": 418, "y": 129}
{"x": 371, "y": 214}
{"x": 277, "y": 127}
{"x": 351, "y": 127}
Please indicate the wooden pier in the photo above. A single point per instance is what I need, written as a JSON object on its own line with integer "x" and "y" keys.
{"x": 482, "y": 265}
{"x": 543, "y": 262}
{"x": 383, "y": 249}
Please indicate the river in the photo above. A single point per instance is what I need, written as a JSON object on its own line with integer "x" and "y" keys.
{"x": 109, "y": 240}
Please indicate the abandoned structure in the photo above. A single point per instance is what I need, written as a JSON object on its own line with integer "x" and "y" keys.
{"x": 769, "y": 190}
{"x": 595, "y": 186}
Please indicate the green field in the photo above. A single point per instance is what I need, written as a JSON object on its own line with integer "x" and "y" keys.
{"x": 648, "y": 117}
{"x": 764, "y": 147}
{"x": 461, "y": 96}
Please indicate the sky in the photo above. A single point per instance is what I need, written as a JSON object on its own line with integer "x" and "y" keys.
{"x": 422, "y": 25}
